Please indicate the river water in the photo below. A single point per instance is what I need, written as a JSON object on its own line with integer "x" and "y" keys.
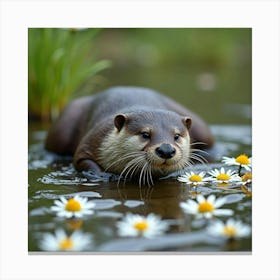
{"x": 51, "y": 177}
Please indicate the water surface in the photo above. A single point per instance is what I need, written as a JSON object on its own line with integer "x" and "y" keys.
{"x": 51, "y": 177}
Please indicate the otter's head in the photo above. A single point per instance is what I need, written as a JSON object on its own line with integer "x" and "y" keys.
{"x": 148, "y": 144}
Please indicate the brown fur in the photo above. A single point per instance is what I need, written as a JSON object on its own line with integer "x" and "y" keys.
{"x": 101, "y": 130}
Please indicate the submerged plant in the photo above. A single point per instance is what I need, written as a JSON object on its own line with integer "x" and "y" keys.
{"x": 60, "y": 62}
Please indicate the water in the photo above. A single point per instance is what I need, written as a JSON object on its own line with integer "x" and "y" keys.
{"x": 51, "y": 177}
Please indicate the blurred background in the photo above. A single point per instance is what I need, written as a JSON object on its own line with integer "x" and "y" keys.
{"x": 206, "y": 69}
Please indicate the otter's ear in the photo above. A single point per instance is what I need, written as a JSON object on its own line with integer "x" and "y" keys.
{"x": 187, "y": 122}
{"x": 119, "y": 121}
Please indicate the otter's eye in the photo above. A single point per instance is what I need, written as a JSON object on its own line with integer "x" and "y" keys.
{"x": 145, "y": 135}
{"x": 176, "y": 137}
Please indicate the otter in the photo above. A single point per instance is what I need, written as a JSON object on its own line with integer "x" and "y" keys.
{"x": 133, "y": 132}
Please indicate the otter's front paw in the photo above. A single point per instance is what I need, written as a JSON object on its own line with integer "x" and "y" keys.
{"x": 94, "y": 176}
{"x": 87, "y": 165}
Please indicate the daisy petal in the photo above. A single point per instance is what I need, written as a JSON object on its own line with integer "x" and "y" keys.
{"x": 200, "y": 198}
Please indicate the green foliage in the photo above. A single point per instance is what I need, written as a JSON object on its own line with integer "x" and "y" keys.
{"x": 60, "y": 62}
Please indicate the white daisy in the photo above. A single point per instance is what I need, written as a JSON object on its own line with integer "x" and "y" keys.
{"x": 242, "y": 160}
{"x": 230, "y": 229}
{"x": 137, "y": 225}
{"x": 222, "y": 176}
{"x": 60, "y": 241}
{"x": 193, "y": 178}
{"x": 206, "y": 208}
{"x": 73, "y": 207}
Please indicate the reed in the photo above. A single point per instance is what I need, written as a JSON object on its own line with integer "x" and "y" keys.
{"x": 60, "y": 62}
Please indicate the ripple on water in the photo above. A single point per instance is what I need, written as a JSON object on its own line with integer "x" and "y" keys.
{"x": 49, "y": 194}
{"x": 67, "y": 175}
{"x": 38, "y": 157}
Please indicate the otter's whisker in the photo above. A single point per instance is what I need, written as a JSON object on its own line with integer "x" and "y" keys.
{"x": 188, "y": 163}
{"x": 198, "y": 143}
{"x": 199, "y": 158}
{"x": 198, "y": 153}
{"x": 150, "y": 174}
{"x": 138, "y": 166}
{"x": 142, "y": 173}
{"x": 182, "y": 166}
{"x": 119, "y": 160}
{"x": 132, "y": 155}
{"x": 129, "y": 165}
{"x": 134, "y": 166}
{"x": 126, "y": 156}
{"x": 147, "y": 178}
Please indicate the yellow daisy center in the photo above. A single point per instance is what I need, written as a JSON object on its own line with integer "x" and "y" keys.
{"x": 223, "y": 177}
{"x": 141, "y": 226}
{"x": 195, "y": 178}
{"x": 229, "y": 231}
{"x": 247, "y": 176}
{"x": 73, "y": 205}
{"x": 66, "y": 244}
{"x": 205, "y": 207}
{"x": 242, "y": 159}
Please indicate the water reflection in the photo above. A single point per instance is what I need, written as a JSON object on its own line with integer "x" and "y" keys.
{"x": 51, "y": 177}
{"x": 162, "y": 199}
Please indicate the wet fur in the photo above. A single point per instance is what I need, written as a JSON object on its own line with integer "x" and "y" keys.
{"x": 90, "y": 129}
{"x": 134, "y": 160}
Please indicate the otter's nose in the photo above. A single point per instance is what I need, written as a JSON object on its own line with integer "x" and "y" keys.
{"x": 165, "y": 151}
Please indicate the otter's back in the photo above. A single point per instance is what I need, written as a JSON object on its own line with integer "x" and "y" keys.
{"x": 122, "y": 100}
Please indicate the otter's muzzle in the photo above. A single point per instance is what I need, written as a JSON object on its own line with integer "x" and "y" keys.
{"x": 165, "y": 151}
